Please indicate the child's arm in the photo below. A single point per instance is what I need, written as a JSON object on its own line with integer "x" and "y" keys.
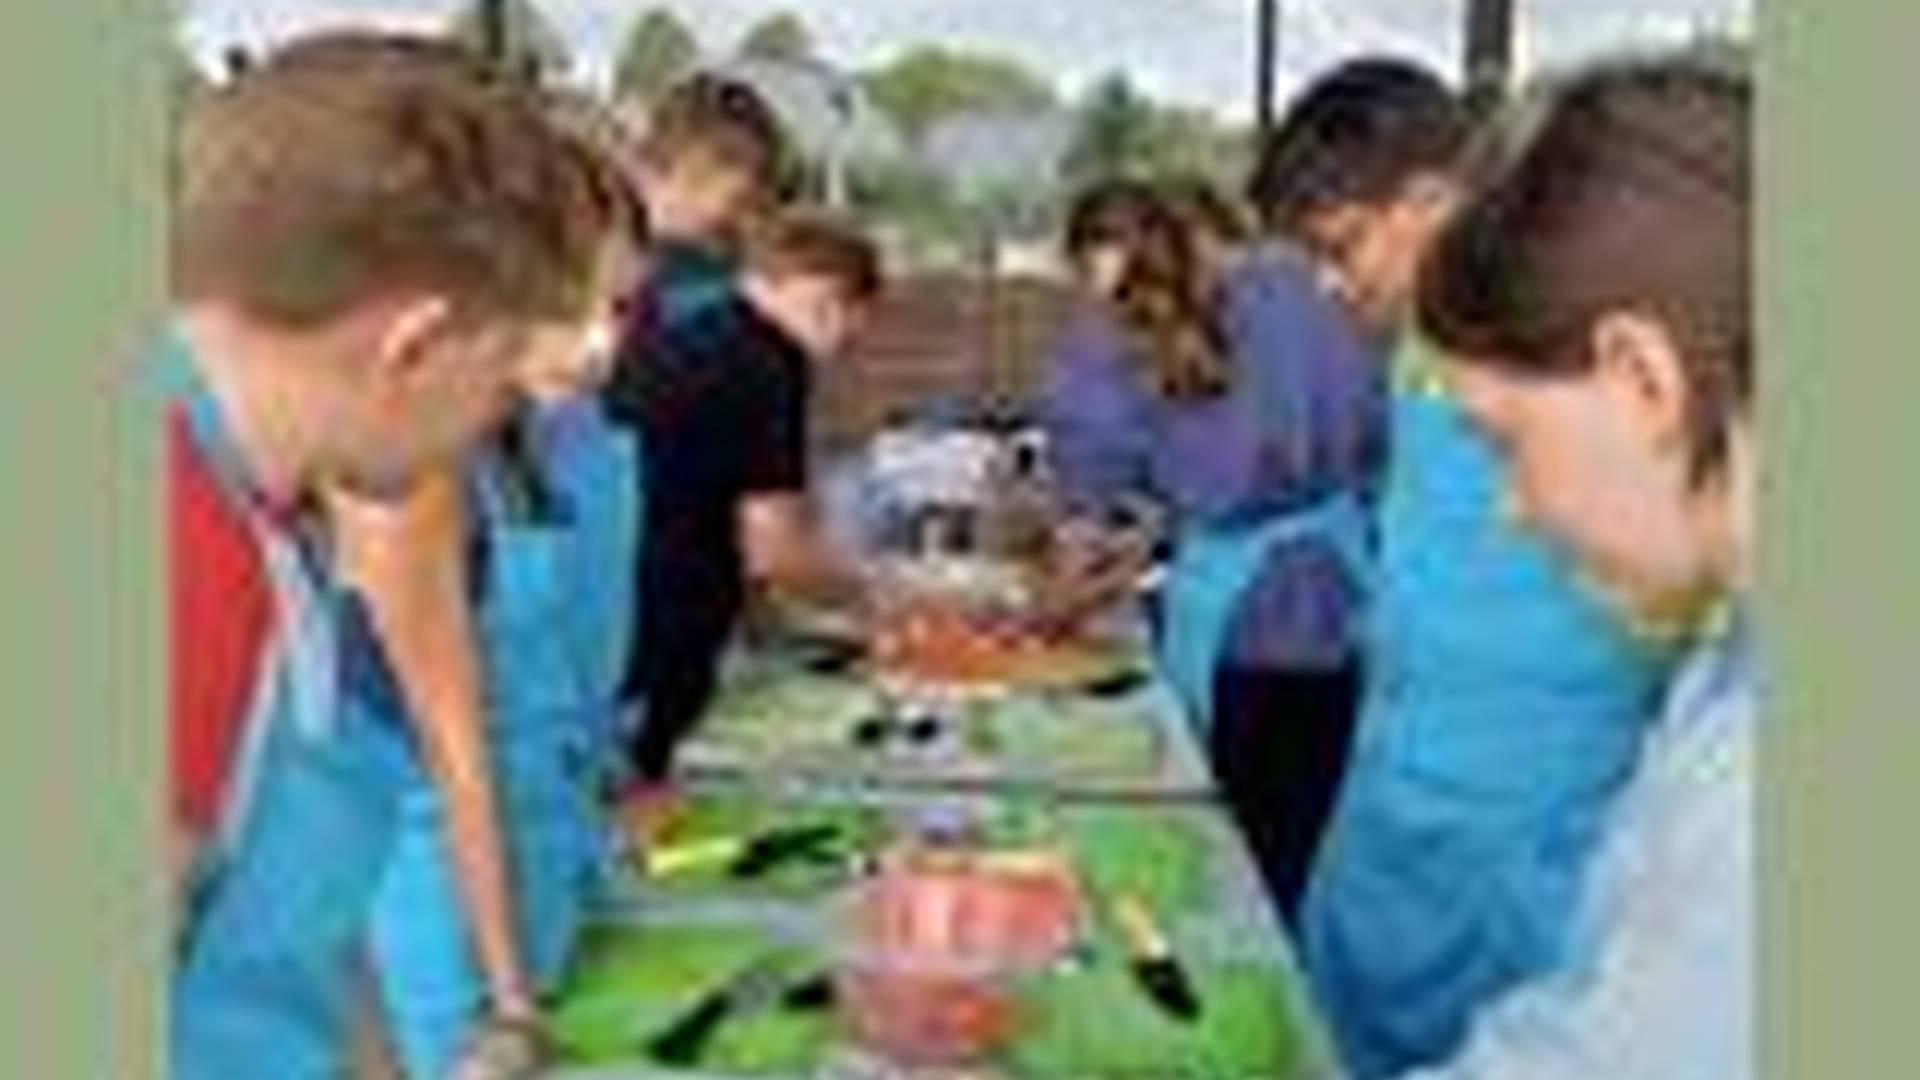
{"x": 1098, "y": 436}
{"x": 409, "y": 560}
{"x": 785, "y": 550}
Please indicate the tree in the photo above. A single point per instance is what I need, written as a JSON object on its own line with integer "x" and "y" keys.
{"x": 778, "y": 37}
{"x": 923, "y": 85}
{"x": 533, "y": 46}
{"x": 658, "y": 50}
{"x": 910, "y": 199}
{"x": 1115, "y": 134}
{"x": 1192, "y": 142}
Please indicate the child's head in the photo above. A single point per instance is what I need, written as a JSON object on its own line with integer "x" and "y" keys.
{"x": 1137, "y": 256}
{"x": 814, "y": 275}
{"x": 602, "y": 135}
{"x": 1594, "y": 297}
{"x": 710, "y": 159}
{"x": 1108, "y": 228}
{"x": 1362, "y": 172}
{"x": 407, "y": 241}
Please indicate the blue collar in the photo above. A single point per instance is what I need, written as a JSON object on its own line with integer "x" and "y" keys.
{"x": 207, "y": 425}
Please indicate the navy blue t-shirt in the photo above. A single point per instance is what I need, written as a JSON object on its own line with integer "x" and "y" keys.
{"x": 720, "y": 400}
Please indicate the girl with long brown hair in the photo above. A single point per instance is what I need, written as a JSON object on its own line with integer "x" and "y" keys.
{"x": 1234, "y": 395}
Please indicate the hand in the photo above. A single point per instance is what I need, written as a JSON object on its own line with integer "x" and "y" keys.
{"x": 1084, "y": 579}
{"x": 504, "y": 1048}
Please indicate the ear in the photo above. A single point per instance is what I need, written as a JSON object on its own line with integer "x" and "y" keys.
{"x": 1638, "y": 362}
{"x": 413, "y": 329}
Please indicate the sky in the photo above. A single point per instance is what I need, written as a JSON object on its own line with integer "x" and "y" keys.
{"x": 1195, "y": 52}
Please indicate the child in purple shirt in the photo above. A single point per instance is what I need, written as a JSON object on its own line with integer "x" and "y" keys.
{"x": 1240, "y": 400}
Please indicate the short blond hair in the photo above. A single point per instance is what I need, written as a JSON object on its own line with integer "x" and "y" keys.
{"x": 720, "y": 116}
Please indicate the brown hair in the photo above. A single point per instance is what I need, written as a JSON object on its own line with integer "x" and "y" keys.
{"x": 1632, "y": 194}
{"x": 1357, "y": 135}
{"x": 1207, "y": 209}
{"x": 803, "y": 241}
{"x": 603, "y": 134}
{"x": 1168, "y": 299}
{"x": 721, "y": 116}
{"x": 349, "y": 164}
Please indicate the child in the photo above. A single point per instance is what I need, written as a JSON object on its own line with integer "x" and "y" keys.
{"x": 374, "y": 245}
{"x": 500, "y": 623}
{"x": 1504, "y": 703}
{"x": 721, "y": 403}
{"x": 1594, "y": 303}
{"x": 1245, "y": 404}
{"x": 707, "y": 166}
{"x": 491, "y": 594}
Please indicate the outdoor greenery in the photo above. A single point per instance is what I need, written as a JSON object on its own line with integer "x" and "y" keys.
{"x": 1120, "y": 132}
{"x": 1113, "y": 128}
{"x": 924, "y": 85}
{"x": 534, "y": 46}
{"x": 658, "y": 51}
{"x": 916, "y": 201}
{"x": 778, "y": 37}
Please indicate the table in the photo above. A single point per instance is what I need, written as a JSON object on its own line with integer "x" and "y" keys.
{"x": 776, "y": 717}
{"x": 1141, "y": 823}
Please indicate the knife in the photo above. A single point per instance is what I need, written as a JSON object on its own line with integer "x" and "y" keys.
{"x": 685, "y": 1039}
{"x": 1152, "y": 961}
{"x": 666, "y": 860}
{"x": 771, "y": 849}
{"x": 814, "y": 992}
{"x": 1115, "y": 684}
{"x": 742, "y": 856}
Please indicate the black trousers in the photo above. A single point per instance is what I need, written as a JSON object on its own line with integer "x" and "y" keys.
{"x": 674, "y": 697}
{"x": 674, "y": 667}
{"x": 1279, "y": 746}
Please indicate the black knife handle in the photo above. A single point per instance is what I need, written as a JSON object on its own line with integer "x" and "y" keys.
{"x": 1168, "y": 987}
{"x": 816, "y": 992}
{"x": 768, "y": 852}
{"x": 686, "y": 1040}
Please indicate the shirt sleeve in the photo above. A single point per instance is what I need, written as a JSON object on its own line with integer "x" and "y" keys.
{"x": 1098, "y": 439}
{"x": 1667, "y": 993}
{"x": 1306, "y": 370}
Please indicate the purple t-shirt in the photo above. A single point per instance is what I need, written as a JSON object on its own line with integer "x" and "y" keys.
{"x": 1303, "y": 419}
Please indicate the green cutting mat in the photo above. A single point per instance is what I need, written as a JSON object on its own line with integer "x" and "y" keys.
{"x": 1096, "y": 1022}
{"x": 1159, "y": 855}
{"x": 1075, "y": 737}
{"x": 631, "y": 982}
{"x": 742, "y": 812}
{"x": 797, "y": 716}
{"x": 1090, "y": 1022}
{"x": 787, "y": 712}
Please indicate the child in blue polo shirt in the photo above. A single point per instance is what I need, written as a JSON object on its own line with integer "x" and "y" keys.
{"x": 352, "y": 313}
{"x": 1504, "y": 703}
